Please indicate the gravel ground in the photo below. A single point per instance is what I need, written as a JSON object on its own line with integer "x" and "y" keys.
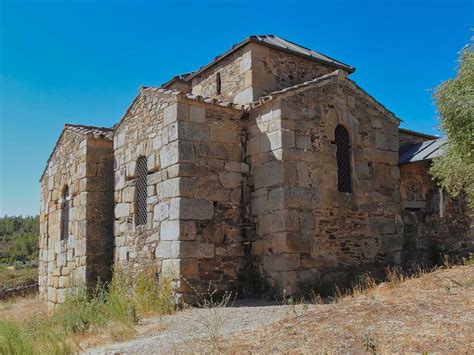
{"x": 432, "y": 312}
{"x": 180, "y": 330}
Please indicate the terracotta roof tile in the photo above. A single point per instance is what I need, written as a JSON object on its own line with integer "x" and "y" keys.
{"x": 95, "y": 131}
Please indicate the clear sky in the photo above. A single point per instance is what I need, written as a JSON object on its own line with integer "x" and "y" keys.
{"x": 83, "y": 61}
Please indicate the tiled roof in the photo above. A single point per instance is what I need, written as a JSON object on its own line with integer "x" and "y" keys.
{"x": 264, "y": 99}
{"x": 423, "y": 151}
{"x": 181, "y": 77}
{"x": 182, "y": 94}
{"x": 189, "y": 96}
{"x": 281, "y": 44}
{"x": 95, "y": 131}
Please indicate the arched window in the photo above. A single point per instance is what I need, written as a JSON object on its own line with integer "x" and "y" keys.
{"x": 218, "y": 83}
{"x": 65, "y": 214}
{"x": 141, "y": 192}
{"x": 343, "y": 159}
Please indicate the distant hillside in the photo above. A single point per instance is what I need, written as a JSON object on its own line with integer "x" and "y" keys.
{"x": 19, "y": 240}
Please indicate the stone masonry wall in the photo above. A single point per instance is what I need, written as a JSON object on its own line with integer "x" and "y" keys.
{"x": 274, "y": 70}
{"x": 307, "y": 229}
{"x": 236, "y": 78}
{"x": 194, "y": 191}
{"x": 254, "y": 71}
{"x": 211, "y": 207}
{"x": 66, "y": 167}
{"x": 148, "y": 129}
{"x": 83, "y": 163}
{"x": 99, "y": 195}
{"x": 407, "y": 138}
{"x": 265, "y": 153}
{"x": 435, "y": 224}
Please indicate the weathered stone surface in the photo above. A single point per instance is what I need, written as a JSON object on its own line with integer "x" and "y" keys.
{"x": 196, "y": 249}
{"x": 170, "y": 230}
{"x": 230, "y": 179}
{"x": 197, "y": 114}
{"x": 169, "y": 155}
{"x": 227, "y": 185}
{"x": 167, "y": 249}
{"x": 187, "y": 230}
{"x": 83, "y": 162}
{"x": 168, "y": 188}
{"x": 122, "y": 210}
{"x": 185, "y": 208}
{"x": 392, "y": 243}
{"x": 281, "y": 262}
{"x": 161, "y": 212}
{"x": 189, "y": 268}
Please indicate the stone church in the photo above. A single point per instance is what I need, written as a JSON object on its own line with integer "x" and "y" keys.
{"x": 266, "y": 169}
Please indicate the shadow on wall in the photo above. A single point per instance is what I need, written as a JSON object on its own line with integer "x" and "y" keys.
{"x": 310, "y": 227}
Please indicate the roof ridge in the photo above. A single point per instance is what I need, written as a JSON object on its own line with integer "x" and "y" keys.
{"x": 181, "y": 77}
{"x": 340, "y": 74}
{"x": 278, "y": 43}
{"x": 190, "y": 96}
{"x": 88, "y": 126}
{"x": 410, "y": 131}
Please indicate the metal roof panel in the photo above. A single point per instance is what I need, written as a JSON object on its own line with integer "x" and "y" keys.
{"x": 279, "y": 43}
{"x": 423, "y": 151}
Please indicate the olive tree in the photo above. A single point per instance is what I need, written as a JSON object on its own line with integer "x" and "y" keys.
{"x": 455, "y": 104}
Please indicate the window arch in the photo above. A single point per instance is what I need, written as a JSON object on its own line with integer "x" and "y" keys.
{"x": 218, "y": 84}
{"x": 65, "y": 214}
{"x": 141, "y": 192}
{"x": 343, "y": 159}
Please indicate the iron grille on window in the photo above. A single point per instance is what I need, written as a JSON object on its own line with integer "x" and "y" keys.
{"x": 65, "y": 214}
{"x": 343, "y": 159}
{"x": 141, "y": 187}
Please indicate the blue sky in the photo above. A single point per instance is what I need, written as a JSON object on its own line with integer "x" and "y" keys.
{"x": 83, "y": 61}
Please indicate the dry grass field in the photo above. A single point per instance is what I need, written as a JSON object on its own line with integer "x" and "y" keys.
{"x": 429, "y": 313}
{"x": 23, "y": 308}
{"x": 433, "y": 313}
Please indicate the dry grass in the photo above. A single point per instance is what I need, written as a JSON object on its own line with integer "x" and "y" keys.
{"x": 17, "y": 277}
{"x": 106, "y": 314}
{"x": 20, "y": 309}
{"x": 430, "y": 312}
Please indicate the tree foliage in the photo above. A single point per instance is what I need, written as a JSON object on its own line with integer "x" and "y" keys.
{"x": 455, "y": 103}
{"x": 19, "y": 239}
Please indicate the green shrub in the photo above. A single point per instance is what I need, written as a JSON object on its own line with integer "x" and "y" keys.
{"x": 144, "y": 292}
{"x": 370, "y": 344}
{"x": 114, "y": 307}
{"x": 13, "y": 339}
{"x": 81, "y": 309}
{"x": 37, "y": 336}
{"x": 469, "y": 260}
{"x": 120, "y": 306}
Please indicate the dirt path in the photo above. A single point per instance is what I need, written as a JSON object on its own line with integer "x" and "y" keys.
{"x": 178, "y": 332}
{"x": 430, "y": 313}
